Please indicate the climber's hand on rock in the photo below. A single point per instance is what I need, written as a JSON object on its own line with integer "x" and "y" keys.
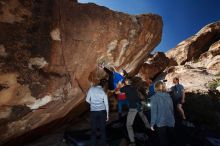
{"x": 101, "y": 66}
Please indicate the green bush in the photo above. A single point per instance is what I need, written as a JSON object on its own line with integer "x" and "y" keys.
{"x": 214, "y": 84}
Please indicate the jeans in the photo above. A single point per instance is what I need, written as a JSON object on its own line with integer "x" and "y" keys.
{"x": 121, "y": 103}
{"x": 130, "y": 120}
{"x": 98, "y": 120}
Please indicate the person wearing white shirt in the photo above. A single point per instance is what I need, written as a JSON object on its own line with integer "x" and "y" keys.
{"x": 99, "y": 111}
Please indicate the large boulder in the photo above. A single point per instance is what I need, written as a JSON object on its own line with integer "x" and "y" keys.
{"x": 48, "y": 51}
{"x": 155, "y": 65}
{"x": 191, "y": 48}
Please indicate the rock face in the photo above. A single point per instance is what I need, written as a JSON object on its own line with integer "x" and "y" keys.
{"x": 199, "y": 72}
{"x": 195, "y": 80}
{"x": 211, "y": 59}
{"x": 155, "y": 65}
{"x": 47, "y": 62}
{"x": 198, "y": 75}
{"x": 193, "y": 47}
{"x": 200, "y": 59}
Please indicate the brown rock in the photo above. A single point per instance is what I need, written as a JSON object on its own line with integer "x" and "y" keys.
{"x": 209, "y": 60}
{"x": 194, "y": 80}
{"x": 193, "y": 47}
{"x": 53, "y": 57}
{"x": 213, "y": 51}
{"x": 197, "y": 74}
{"x": 155, "y": 65}
{"x": 13, "y": 11}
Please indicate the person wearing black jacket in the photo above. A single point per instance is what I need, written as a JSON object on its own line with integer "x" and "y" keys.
{"x": 134, "y": 108}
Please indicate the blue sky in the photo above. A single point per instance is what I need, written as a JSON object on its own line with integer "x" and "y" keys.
{"x": 181, "y": 18}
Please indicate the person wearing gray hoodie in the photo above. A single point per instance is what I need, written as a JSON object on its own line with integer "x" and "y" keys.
{"x": 162, "y": 115}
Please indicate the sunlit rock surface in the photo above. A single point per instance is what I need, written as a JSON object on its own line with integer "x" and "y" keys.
{"x": 193, "y": 47}
{"x": 199, "y": 72}
{"x": 49, "y": 51}
{"x": 198, "y": 58}
{"x": 194, "y": 79}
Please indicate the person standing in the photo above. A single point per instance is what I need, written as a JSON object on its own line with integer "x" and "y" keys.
{"x": 178, "y": 95}
{"x": 122, "y": 100}
{"x": 99, "y": 111}
{"x": 162, "y": 115}
{"x": 134, "y": 108}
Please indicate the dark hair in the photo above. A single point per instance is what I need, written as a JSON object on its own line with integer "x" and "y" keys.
{"x": 176, "y": 78}
{"x": 102, "y": 82}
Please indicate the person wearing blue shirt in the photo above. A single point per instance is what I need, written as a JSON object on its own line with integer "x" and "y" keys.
{"x": 178, "y": 94}
{"x": 113, "y": 77}
{"x": 162, "y": 115}
{"x": 99, "y": 111}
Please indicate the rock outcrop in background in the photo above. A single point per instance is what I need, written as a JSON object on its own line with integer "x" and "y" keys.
{"x": 48, "y": 51}
{"x": 191, "y": 48}
{"x": 201, "y": 66}
{"x": 155, "y": 65}
{"x": 198, "y": 68}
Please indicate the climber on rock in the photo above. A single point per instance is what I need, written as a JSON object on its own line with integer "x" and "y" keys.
{"x": 113, "y": 77}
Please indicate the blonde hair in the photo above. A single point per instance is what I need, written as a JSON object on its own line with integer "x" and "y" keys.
{"x": 160, "y": 86}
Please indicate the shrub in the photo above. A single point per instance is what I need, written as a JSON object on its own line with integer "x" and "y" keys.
{"x": 214, "y": 84}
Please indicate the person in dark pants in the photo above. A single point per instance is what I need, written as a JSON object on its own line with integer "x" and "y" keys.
{"x": 178, "y": 94}
{"x": 99, "y": 111}
{"x": 162, "y": 115}
{"x": 134, "y": 109}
